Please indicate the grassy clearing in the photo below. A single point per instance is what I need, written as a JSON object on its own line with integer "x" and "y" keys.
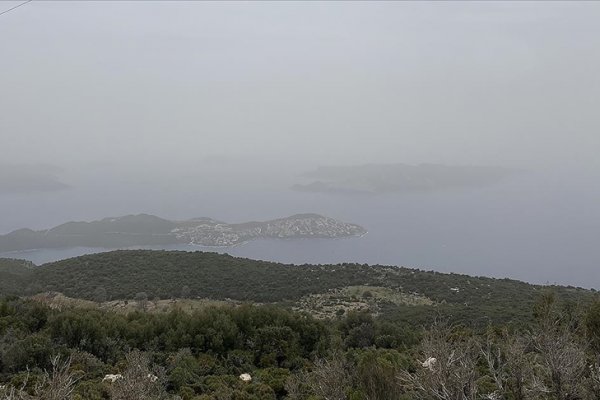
{"x": 60, "y": 302}
{"x": 337, "y": 302}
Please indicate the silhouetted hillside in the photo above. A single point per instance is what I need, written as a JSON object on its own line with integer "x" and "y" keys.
{"x": 149, "y": 230}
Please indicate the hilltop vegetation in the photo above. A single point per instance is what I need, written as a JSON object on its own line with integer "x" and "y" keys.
{"x": 312, "y": 288}
{"x": 14, "y": 275}
{"x": 90, "y": 354}
{"x": 190, "y": 326}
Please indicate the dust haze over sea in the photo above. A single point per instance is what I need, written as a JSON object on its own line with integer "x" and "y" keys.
{"x": 535, "y": 226}
{"x": 189, "y": 109}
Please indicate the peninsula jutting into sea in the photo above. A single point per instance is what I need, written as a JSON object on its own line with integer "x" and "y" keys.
{"x": 149, "y": 230}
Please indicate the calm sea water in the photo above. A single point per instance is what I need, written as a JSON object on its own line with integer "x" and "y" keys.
{"x": 541, "y": 229}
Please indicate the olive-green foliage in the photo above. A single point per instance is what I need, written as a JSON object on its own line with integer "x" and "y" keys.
{"x": 14, "y": 275}
{"x": 289, "y": 355}
{"x": 171, "y": 274}
{"x": 377, "y": 373}
{"x": 201, "y": 353}
{"x": 592, "y": 325}
{"x": 361, "y": 330}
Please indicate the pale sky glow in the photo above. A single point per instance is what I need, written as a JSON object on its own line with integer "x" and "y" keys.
{"x": 127, "y": 82}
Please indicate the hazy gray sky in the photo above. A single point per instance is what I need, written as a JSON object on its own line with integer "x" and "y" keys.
{"x": 133, "y": 83}
{"x": 186, "y": 109}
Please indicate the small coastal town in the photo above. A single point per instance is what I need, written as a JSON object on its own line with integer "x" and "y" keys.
{"x": 213, "y": 233}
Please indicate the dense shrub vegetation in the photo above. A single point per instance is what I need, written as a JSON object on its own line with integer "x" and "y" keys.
{"x": 65, "y": 354}
{"x": 199, "y": 353}
{"x": 172, "y": 274}
{"x": 500, "y": 339}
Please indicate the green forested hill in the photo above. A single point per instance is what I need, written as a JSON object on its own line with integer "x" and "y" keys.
{"x": 360, "y": 343}
{"x": 173, "y": 274}
{"x": 14, "y": 275}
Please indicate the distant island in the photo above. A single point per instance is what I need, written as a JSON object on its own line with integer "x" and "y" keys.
{"x": 149, "y": 230}
{"x": 399, "y": 178}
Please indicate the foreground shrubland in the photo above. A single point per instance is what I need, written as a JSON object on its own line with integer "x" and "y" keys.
{"x": 266, "y": 352}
